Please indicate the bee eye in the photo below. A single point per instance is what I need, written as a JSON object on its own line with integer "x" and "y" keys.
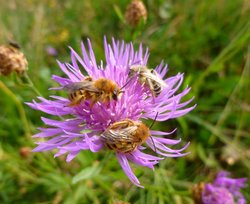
{"x": 114, "y": 95}
{"x": 131, "y": 73}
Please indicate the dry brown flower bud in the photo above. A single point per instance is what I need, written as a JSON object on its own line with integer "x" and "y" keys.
{"x": 135, "y": 12}
{"x": 25, "y": 152}
{"x": 196, "y": 192}
{"x": 12, "y": 59}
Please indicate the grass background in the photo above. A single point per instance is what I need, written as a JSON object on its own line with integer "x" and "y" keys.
{"x": 207, "y": 40}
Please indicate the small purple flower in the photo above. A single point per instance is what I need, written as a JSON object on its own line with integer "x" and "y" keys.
{"x": 82, "y": 125}
{"x": 224, "y": 190}
{"x": 51, "y": 50}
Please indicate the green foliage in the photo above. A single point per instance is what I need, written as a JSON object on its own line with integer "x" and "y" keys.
{"x": 207, "y": 40}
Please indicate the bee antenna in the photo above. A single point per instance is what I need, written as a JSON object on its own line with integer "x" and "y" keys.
{"x": 126, "y": 83}
{"x": 154, "y": 120}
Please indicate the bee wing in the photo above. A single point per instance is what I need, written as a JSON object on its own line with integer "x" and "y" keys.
{"x": 114, "y": 136}
{"x": 154, "y": 76}
{"x": 138, "y": 68}
{"x": 84, "y": 85}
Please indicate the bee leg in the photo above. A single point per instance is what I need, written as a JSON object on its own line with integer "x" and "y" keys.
{"x": 92, "y": 103}
{"x": 72, "y": 103}
{"x": 76, "y": 101}
{"x": 134, "y": 146}
{"x": 151, "y": 87}
{"x": 120, "y": 124}
{"x": 88, "y": 78}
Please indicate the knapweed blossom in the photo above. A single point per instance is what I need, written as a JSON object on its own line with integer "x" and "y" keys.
{"x": 136, "y": 103}
{"x": 224, "y": 190}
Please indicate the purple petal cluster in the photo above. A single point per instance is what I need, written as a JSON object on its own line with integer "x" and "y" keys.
{"x": 224, "y": 190}
{"x": 79, "y": 127}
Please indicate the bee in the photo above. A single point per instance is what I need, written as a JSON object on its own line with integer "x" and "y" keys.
{"x": 125, "y": 136}
{"x": 102, "y": 90}
{"x": 149, "y": 77}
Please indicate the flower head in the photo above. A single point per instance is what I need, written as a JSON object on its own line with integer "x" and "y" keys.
{"x": 12, "y": 60}
{"x": 135, "y": 12}
{"x": 86, "y": 122}
{"x": 224, "y": 190}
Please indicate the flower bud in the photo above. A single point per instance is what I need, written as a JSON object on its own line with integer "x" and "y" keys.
{"x": 12, "y": 59}
{"x": 135, "y": 12}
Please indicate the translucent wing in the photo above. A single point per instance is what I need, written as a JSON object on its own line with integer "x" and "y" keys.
{"x": 120, "y": 135}
{"x": 84, "y": 85}
{"x": 138, "y": 68}
{"x": 153, "y": 75}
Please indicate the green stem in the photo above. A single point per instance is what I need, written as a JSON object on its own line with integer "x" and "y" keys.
{"x": 31, "y": 84}
{"x": 230, "y": 103}
{"x": 20, "y": 108}
{"x": 235, "y": 45}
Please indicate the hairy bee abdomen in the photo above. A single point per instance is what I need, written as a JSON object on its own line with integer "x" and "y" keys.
{"x": 123, "y": 147}
{"x": 157, "y": 88}
{"x": 77, "y": 96}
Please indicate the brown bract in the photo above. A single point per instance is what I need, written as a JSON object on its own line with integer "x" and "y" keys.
{"x": 197, "y": 192}
{"x": 135, "y": 12}
{"x": 12, "y": 60}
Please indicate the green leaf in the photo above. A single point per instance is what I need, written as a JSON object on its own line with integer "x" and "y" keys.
{"x": 87, "y": 173}
{"x": 119, "y": 13}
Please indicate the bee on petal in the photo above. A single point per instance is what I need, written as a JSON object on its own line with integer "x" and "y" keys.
{"x": 125, "y": 136}
{"x": 100, "y": 90}
{"x": 148, "y": 77}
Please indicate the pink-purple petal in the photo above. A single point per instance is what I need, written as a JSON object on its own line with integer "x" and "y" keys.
{"x": 127, "y": 170}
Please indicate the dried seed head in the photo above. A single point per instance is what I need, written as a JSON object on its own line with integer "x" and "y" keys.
{"x": 135, "y": 12}
{"x": 196, "y": 192}
{"x": 25, "y": 152}
{"x": 11, "y": 59}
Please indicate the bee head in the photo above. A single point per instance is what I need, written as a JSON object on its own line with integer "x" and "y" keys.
{"x": 131, "y": 73}
{"x": 116, "y": 93}
{"x": 134, "y": 69}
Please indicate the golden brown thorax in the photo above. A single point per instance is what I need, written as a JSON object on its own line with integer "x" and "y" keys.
{"x": 142, "y": 132}
{"x": 105, "y": 85}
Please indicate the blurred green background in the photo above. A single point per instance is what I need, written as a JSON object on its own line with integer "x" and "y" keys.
{"x": 207, "y": 40}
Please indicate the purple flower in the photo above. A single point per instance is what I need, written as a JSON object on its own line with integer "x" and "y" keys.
{"x": 224, "y": 190}
{"x": 82, "y": 124}
{"x": 51, "y": 50}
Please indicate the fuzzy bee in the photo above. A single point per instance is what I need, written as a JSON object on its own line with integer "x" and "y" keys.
{"x": 100, "y": 90}
{"x": 149, "y": 77}
{"x": 125, "y": 136}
